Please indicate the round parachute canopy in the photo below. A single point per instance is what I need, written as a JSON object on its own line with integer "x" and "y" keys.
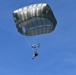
{"x": 35, "y": 19}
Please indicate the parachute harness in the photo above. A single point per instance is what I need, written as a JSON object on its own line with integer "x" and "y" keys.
{"x": 34, "y": 47}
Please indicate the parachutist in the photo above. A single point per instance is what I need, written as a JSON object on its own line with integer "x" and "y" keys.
{"x": 35, "y": 54}
{"x": 41, "y": 15}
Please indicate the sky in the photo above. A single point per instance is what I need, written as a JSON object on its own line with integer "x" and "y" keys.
{"x": 57, "y": 52}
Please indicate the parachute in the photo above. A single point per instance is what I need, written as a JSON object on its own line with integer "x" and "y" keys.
{"x": 35, "y": 19}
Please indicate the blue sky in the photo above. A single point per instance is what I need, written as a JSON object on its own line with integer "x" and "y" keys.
{"x": 57, "y": 53}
